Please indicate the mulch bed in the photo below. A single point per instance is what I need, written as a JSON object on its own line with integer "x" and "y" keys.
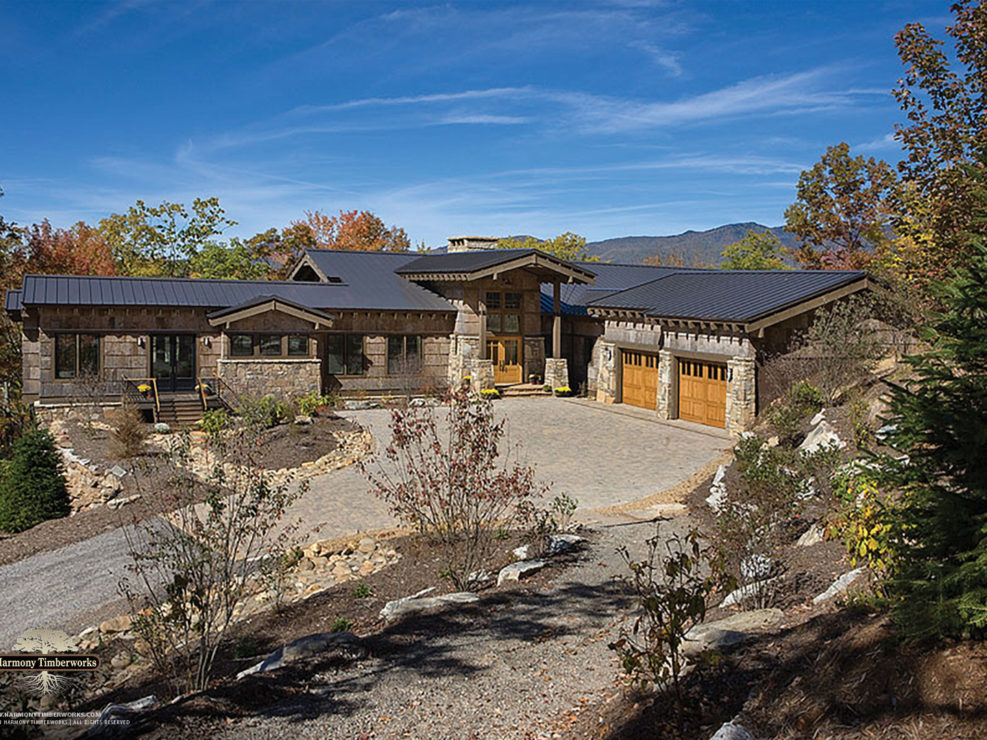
{"x": 258, "y": 636}
{"x": 284, "y": 446}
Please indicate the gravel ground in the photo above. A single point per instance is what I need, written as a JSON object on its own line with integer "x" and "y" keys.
{"x": 515, "y": 667}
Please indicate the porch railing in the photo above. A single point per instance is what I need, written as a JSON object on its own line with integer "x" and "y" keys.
{"x": 213, "y": 387}
{"x": 142, "y": 391}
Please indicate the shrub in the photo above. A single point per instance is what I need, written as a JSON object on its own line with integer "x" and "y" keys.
{"x": 265, "y": 412}
{"x": 671, "y": 587}
{"x": 563, "y": 390}
{"x": 341, "y": 625}
{"x": 490, "y": 393}
{"x": 186, "y": 580}
{"x": 33, "y": 487}
{"x": 864, "y": 523}
{"x": 362, "y": 591}
{"x": 801, "y": 401}
{"x": 454, "y": 485}
{"x": 215, "y": 421}
{"x": 128, "y": 432}
{"x": 310, "y": 403}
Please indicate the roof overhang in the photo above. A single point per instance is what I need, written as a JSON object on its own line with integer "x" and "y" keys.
{"x": 226, "y": 316}
{"x": 544, "y": 265}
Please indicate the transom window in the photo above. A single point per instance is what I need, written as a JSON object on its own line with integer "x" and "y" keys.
{"x": 344, "y": 354}
{"x": 404, "y": 355}
{"x": 269, "y": 345}
{"x": 503, "y": 312}
{"x": 76, "y": 355}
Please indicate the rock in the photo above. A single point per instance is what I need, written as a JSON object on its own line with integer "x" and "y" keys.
{"x": 740, "y": 595}
{"x": 320, "y": 562}
{"x": 728, "y": 631}
{"x": 514, "y": 571}
{"x": 102, "y": 727}
{"x": 162, "y": 428}
{"x": 322, "y": 645}
{"x": 118, "y": 471}
{"x": 478, "y": 576}
{"x": 417, "y": 605}
{"x": 773, "y": 441}
{"x": 367, "y": 568}
{"x": 306, "y": 564}
{"x": 884, "y": 433}
{"x": 121, "y": 660}
{"x": 755, "y": 568}
{"x": 840, "y": 585}
{"x": 118, "y": 502}
{"x": 341, "y": 569}
{"x": 522, "y": 552}
{"x": 717, "y": 491}
{"x": 116, "y": 624}
{"x": 361, "y": 405}
{"x": 303, "y": 420}
{"x": 732, "y": 731}
{"x": 562, "y": 543}
{"x": 367, "y": 545}
{"x": 812, "y": 536}
{"x": 822, "y": 435}
{"x": 818, "y": 418}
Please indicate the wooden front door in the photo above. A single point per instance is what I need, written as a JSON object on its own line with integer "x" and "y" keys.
{"x": 505, "y": 352}
{"x": 639, "y": 379}
{"x": 703, "y": 392}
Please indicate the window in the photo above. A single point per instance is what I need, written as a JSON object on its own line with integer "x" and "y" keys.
{"x": 404, "y": 355}
{"x": 298, "y": 346}
{"x": 75, "y": 355}
{"x": 503, "y": 313}
{"x": 268, "y": 345}
{"x": 344, "y": 354}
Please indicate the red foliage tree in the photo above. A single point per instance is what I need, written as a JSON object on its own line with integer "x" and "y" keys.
{"x": 355, "y": 230}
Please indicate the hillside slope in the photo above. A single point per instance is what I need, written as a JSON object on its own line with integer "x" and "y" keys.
{"x": 703, "y": 246}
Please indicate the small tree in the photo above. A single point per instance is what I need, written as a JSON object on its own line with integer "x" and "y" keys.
{"x": 453, "y": 485}
{"x": 758, "y": 250}
{"x": 190, "y": 574}
{"x": 940, "y": 423}
{"x": 33, "y": 487}
{"x": 671, "y": 587}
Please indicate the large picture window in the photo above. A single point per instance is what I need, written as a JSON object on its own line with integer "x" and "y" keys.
{"x": 269, "y": 345}
{"x": 344, "y": 354}
{"x": 503, "y": 313}
{"x": 76, "y": 355}
{"x": 404, "y": 355}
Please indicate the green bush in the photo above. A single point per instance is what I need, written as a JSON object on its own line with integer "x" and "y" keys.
{"x": 312, "y": 402}
{"x": 215, "y": 421}
{"x": 265, "y": 412}
{"x": 800, "y": 402}
{"x": 33, "y": 487}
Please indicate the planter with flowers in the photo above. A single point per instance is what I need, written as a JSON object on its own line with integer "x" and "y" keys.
{"x": 562, "y": 391}
{"x": 144, "y": 389}
{"x": 490, "y": 393}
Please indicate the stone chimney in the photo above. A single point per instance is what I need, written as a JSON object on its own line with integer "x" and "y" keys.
{"x": 471, "y": 243}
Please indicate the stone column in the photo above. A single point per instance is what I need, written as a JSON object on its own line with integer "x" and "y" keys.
{"x": 667, "y": 385}
{"x": 605, "y": 358}
{"x": 741, "y": 394}
{"x": 557, "y": 372}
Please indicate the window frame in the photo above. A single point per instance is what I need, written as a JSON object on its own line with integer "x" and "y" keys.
{"x": 403, "y": 357}
{"x": 257, "y": 343}
{"x": 346, "y": 343}
{"x": 498, "y": 310}
{"x": 77, "y": 351}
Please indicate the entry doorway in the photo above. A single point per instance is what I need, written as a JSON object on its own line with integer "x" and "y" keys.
{"x": 505, "y": 353}
{"x": 173, "y": 362}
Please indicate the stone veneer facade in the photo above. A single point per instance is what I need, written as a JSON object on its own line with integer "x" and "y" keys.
{"x": 282, "y": 378}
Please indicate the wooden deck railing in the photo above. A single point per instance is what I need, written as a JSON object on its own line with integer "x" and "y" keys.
{"x": 131, "y": 387}
{"x": 212, "y": 386}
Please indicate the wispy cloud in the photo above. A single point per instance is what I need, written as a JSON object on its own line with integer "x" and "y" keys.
{"x": 663, "y": 58}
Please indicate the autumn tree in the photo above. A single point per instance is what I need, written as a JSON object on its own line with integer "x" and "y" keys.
{"x": 162, "y": 240}
{"x": 943, "y": 96}
{"x": 282, "y": 249}
{"x": 78, "y": 250}
{"x": 758, "y": 250}
{"x": 567, "y": 246}
{"x": 360, "y": 231}
{"x": 672, "y": 259}
{"x": 843, "y": 210}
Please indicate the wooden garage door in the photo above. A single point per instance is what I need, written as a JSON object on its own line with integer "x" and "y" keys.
{"x": 703, "y": 392}
{"x": 639, "y": 384}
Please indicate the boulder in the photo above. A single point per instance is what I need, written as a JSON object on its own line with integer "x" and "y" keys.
{"x": 732, "y": 731}
{"x": 740, "y": 595}
{"x": 107, "y": 725}
{"x": 812, "y": 536}
{"x": 303, "y": 420}
{"x": 515, "y": 571}
{"x": 116, "y": 624}
{"x": 822, "y": 435}
{"x": 729, "y": 631}
{"x": 756, "y": 567}
{"x": 717, "y": 491}
{"x": 840, "y": 585}
{"x": 420, "y": 604}
{"x": 161, "y": 428}
{"x": 343, "y": 645}
{"x": 562, "y": 543}
{"x": 522, "y": 552}
{"x": 367, "y": 544}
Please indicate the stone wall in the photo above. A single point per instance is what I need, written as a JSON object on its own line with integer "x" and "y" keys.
{"x": 668, "y": 392}
{"x": 603, "y": 375}
{"x": 557, "y": 372}
{"x": 282, "y": 378}
{"x": 741, "y": 394}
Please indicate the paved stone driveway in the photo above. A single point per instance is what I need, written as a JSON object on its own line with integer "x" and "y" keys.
{"x": 599, "y": 455}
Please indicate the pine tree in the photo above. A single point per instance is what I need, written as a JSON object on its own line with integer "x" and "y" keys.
{"x": 941, "y": 424}
{"x": 33, "y": 486}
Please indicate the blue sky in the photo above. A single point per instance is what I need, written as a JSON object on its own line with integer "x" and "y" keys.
{"x": 608, "y": 119}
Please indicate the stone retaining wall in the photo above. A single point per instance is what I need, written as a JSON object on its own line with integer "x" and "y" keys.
{"x": 282, "y": 378}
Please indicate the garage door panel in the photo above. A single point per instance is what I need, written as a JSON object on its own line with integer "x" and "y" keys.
{"x": 703, "y": 392}
{"x": 639, "y": 379}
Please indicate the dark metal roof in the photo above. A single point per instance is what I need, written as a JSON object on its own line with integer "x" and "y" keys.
{"x": 610, "y": 279}
{"x": 463, "y": 261}
{"x": 12, "y": 301}
{"x": 372, "y": 277}
{"x": 727, "y": 295}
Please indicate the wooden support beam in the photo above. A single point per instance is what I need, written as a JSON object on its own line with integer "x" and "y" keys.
{"x": 556, "y": 321}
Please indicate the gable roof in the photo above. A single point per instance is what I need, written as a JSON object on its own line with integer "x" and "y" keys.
{"x": 476, "y": 264}
{"x": 265, "y": 303}
{"x": 739, "y": 296}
